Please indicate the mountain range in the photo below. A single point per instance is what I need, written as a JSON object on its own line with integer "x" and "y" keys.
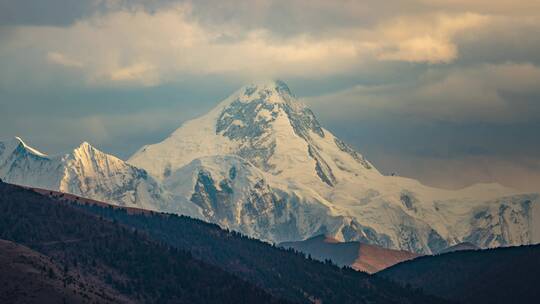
{"x": 260, "y": 163}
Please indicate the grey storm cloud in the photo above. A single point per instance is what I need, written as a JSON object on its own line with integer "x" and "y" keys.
{"x": 66, "y": 12}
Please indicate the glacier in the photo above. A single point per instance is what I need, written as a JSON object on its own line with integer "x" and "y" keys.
{"x": 261, "y": 163}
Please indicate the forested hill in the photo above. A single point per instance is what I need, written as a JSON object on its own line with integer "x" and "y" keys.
{"x": 284, "y": 273}
{"x": 501, "y": 275}
{"x": 109, "y": 260}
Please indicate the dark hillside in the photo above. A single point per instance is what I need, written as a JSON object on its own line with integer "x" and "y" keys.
{"x": 284, "y": 273}
{"x": 27, "y": 276}
{"x": 136, "y": 267}
{"x": 501, "y": 275}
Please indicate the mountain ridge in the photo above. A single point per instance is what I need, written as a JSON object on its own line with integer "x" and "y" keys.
{"x": 260, "y": 163}
{"x": 359, "y": 256}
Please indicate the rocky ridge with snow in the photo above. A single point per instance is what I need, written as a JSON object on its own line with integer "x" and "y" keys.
{"x": 86, "y": 172}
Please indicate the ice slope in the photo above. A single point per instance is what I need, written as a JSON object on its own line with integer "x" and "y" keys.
{"x": 296, "y": 180}
{"x": 235, "y": 194}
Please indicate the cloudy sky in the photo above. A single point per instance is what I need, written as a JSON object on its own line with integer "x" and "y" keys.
{"x": 446, "y": 91}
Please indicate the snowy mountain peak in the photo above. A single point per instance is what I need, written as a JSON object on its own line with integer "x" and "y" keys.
{"x": 87, "y": 148}
{"x": 89, "y": 158}
{"x": 85, "y": 145}
{"x": 259, "y": 106}
{"x": 87, "y": 151}
{"x": 265, "y": 125}
{"x": 253, "y": 95}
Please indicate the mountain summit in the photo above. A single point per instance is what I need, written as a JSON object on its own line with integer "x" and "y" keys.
{"x": 265, "y": 125}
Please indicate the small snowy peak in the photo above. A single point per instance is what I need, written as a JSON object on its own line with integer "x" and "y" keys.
{"x": 90, "y": 156}
{"x": 30, "y": 149}
{"x": 24, "y": 165}
{"x": 87, "y": 151}
{"x": 17, "y": 144}
{"x": 93, "y": 160}
{"x": 85, "y": 146}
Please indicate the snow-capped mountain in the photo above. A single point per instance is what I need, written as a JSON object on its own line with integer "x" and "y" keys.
{"x": 265, "y": 125}
{"x": 261, "y": 163}
{"x": 296, "y": 180}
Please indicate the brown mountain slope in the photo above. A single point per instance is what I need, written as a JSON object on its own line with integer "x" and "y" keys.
{"x": 373, "y": 258}
{"x": 359, "y": 256}
{"x": 27, "y": 276}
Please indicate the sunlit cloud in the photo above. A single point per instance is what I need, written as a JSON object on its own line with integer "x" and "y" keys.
{"x": 142, "y": 72}
{"x": 427, "y": 39}
{"x": 135, "y": 46}
{"x": 61, "y": 59}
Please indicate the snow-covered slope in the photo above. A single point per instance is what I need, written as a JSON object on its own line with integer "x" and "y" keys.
{"x": 234, "y": 193}
{"x": 295, "y": 179}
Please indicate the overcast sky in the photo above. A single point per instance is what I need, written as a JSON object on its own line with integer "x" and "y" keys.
{"x": 446, "y": 91}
